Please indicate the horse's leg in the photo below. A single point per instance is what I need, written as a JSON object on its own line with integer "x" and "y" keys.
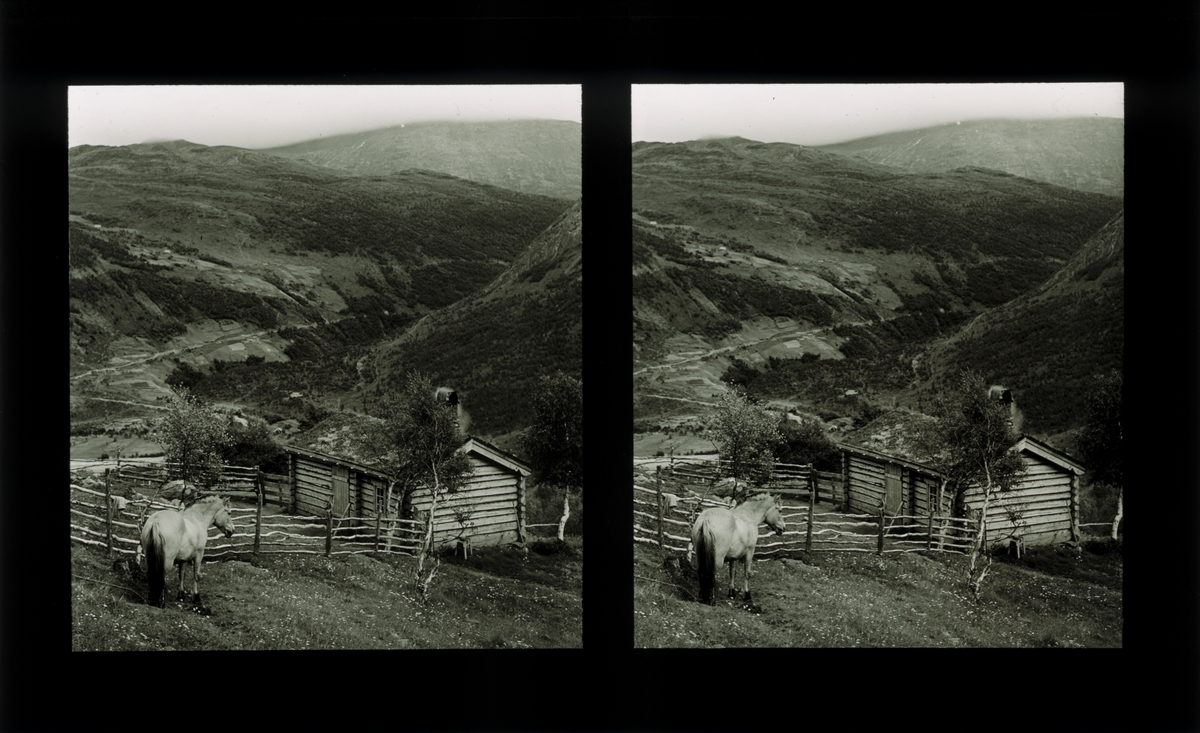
{"x": 747, "y": 560}
{"x": 196, "y": 561}
{"x": 181, "y": 594}
{"x": 732, "y": 587}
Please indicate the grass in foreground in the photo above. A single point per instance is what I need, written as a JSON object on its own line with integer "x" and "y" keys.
{"x": 1052, "y": 597}
{"x": 495, "y": 599}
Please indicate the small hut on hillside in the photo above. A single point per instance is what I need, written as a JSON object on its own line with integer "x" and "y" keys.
{"x": 1041, "y": 509}
{"x": 493, "y": 494}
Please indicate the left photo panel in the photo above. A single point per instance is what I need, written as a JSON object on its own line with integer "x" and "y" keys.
{"x": 326, "y": 370}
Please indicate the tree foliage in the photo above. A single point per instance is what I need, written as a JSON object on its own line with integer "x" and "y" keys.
{"x": 1100, "y": 438}
{"x": 416, "y": 444}
{"x": 416, "y": 441}
{"x": 746, "y": 434}
{"x": 193, "y": 435}
{"x": 971, "y": 438}
{"x": 970, "y": 443}
{"x": 253, "y": 445}
{"x": 805, "y": 441}
{"x": 554, "y": 443}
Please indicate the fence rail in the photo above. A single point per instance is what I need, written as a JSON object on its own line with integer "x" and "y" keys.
{"x": 664, "y": 519}
{"x": 103, "y": 519}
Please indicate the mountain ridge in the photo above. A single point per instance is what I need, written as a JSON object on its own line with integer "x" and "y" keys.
{"x": 1085, "y": 153}
{"x": 531, "y": 156}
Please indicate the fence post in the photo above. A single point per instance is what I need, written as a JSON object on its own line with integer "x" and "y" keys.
{"x": 811, "y": 506}
{"x": 522, "y": 510}
{"x": 292, "y": 481}
{"x": 328, "y": 529}
{"x": 879, "y": 550}
{"x": 378, "y": 524}
{"x": 658, "y": 493}
{"x": 258, "y": 515}
{"x": 108, "y": 512}
{"x": 929, "y": 535}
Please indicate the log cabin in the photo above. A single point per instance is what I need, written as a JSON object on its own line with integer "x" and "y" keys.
{"x": 493, "y": 495}
{"x": 1042, "y": 508}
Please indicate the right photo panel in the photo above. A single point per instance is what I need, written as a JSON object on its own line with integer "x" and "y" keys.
{"x": 877, "y": 335}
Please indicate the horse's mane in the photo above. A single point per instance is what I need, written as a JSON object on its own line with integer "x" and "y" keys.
{"x": 204, "y": 500}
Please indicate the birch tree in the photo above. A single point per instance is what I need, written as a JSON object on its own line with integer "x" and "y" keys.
{"x": 194, "y": 436}
{"x": 416, "y": 445}
{"x": 746, "y": 434}
{"x": 554, "y": 443}
{"x": 970, "y": 442}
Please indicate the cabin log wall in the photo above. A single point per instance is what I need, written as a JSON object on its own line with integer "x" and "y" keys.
{"x": 492, "y": 492}
{"x": 1045, "y": 495}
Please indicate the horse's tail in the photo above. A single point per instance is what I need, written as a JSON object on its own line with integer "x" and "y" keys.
{"x": 706, "y": 568}
{"x": 156, "y": 563}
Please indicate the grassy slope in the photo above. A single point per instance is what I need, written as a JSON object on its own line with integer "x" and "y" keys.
{"x": 1051, "y": 598}
{"x": 495, "y": 599}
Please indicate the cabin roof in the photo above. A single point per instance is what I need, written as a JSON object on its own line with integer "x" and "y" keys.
{"x": 472, "y": 445}
{"x": 1038, "y": 448}
{"x": 487, "y": 450}
{"x": 885, "y": 458}
{"x": 1026, "y": 444}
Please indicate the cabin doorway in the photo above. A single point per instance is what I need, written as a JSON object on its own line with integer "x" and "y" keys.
{"x": 340, "y": 483}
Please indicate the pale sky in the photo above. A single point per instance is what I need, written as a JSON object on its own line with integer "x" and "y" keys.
{"x": 267, "y": 116}
{"x": 822, "y": 114}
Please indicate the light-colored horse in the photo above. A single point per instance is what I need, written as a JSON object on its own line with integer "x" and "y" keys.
{"x": 724, "y": 535}
{"x": 172, "y": 537}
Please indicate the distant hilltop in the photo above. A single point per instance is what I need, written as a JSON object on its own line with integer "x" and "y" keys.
{"x": 531, "y": 156}
{"x": 1084, "y": 153}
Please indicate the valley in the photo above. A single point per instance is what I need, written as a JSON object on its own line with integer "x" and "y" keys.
{"x": 836, "y": 286}
{"x": 267, "y": 284}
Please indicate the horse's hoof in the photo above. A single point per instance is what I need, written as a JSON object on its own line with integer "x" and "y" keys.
{"x": 196, "y": 599}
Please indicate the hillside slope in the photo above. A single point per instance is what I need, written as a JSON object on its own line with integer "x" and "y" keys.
{"x": 810, "y": 277}
{"x": 1087, "y": 154}
{"x": 193, "y": 258}
{"x": 532, "y": 156}
{"x": 763, "y": 230}
{"x": 493, "y": 345}
{"x": 1047, "y": 345}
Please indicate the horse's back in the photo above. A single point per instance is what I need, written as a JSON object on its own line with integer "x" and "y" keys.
{"x": 172, "y": 530}
{"x": 160, "y": 519}
{"x": 721, "y": 527}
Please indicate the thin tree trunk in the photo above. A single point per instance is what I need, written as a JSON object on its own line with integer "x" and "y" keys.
{"x": 562, "y": 523}
{"x": 1120, "y": 511}
{"x": 427, "y": 545}
{"x": 974, "y": 581}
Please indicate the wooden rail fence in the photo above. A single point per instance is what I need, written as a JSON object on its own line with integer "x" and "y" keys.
{"x": 701, "y": 475}
{"x": 106, "y": 519}
{"x": 664, "y": 518}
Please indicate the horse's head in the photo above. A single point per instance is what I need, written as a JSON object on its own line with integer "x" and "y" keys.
{"x": 222, "y": 519}
{"x": 774, "y": 518}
